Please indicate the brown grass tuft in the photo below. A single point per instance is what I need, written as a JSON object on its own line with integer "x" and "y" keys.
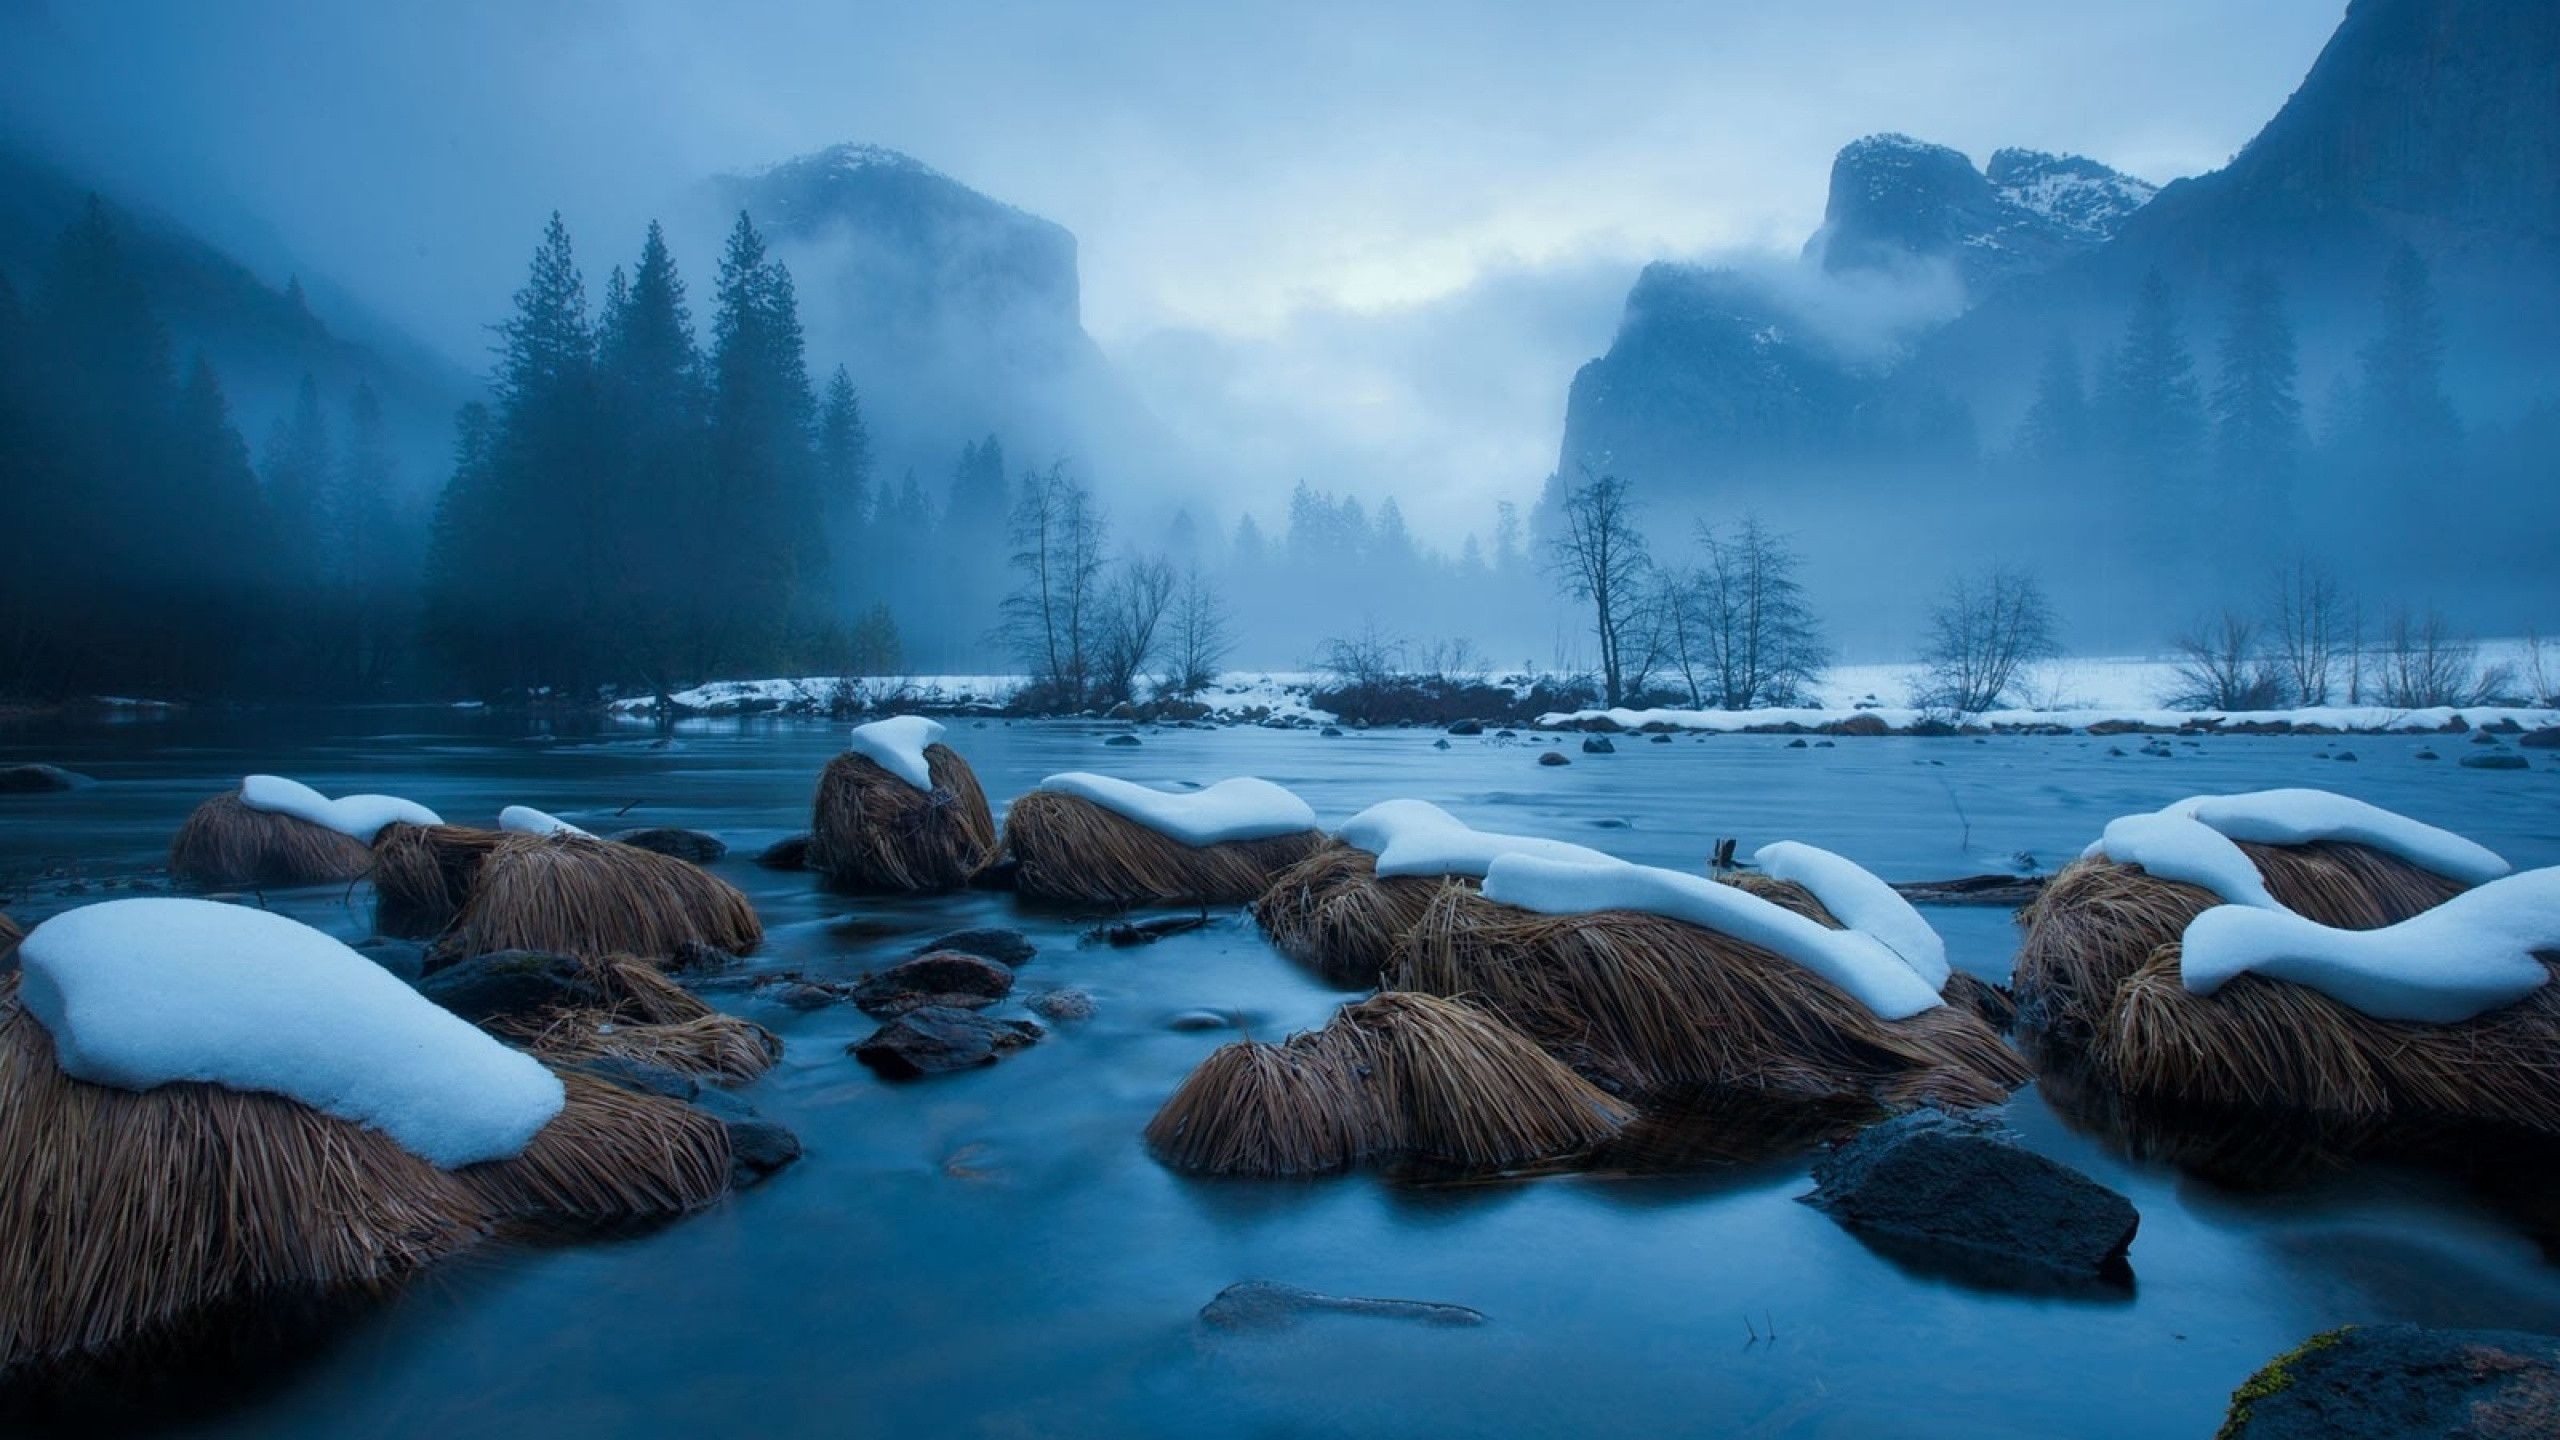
{"x": 2262, "y": 1044}
{"x": 10, "y": 935}
{"x": 1964, "y": 991}
{"x": 225, "y": 843}
{"x": 1072, "y": 849}
{"x": 423, "y": 874}
{"x": 571, "y": 895}
{"x": 2098, "y": 921}
{"x": 1394, "y": 1075}
{"x": 651, "y": 1020}
{"x": 1654, "y": 1007}
{"x": 610, "y": 1155}
{"x": 873, "y": 831}
{"x": 1332, "y": 913}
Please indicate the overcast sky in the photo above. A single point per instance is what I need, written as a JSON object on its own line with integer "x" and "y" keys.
{"x": 1365, "y": 242}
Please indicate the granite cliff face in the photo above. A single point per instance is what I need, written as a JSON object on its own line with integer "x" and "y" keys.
{"x": 1896, "y": 202}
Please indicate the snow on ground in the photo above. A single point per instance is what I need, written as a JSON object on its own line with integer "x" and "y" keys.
{"x": 143, "y": 993}
{"x": 1416, "y": 837}
{"x": 2470, "y": 955}
{"x": 525, "y": 820}
{"x": 1859, "y": 899}
{"x": 897, "y": 745}
{"x": 1858, "y": 963}
{"x": 1240, "y": 808}
{"x": 2341, "y": 718}
{"x": 360, "y": 817}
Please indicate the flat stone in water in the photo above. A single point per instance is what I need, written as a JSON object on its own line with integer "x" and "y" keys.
{"x": 511, "y": 984}
{"x": 948, "y": 978}
{"x": 1553, "y": 757}
{"x": 1005, "y": 947}
{"x": 938, "y": 1039}
{"x": 2381, "y": 1382}
{"x": 1067, "y": 1004}
{"x": 693, "y": 845}
{"x": 1270, "y": 1305}
{"x": 2495, "y": 760}
{"x": 1122, "y": 740}
{"x": 1196, "y": 1021}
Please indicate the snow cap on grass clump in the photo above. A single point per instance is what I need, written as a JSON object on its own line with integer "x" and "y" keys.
{"x": 1416, "y": 837}
{"x": 358, "y": 817}
{"x": 897, "y": 745}
{"x": 142, "y": 993}
{"x": 1861, "y": 901}
{"x": 2305, "y": 816}
{"x": 1861, "y": 966}
{"x": 1239, "y": 808}
{"x": 525, "y": 820}
{"x": 2472, "y": 954}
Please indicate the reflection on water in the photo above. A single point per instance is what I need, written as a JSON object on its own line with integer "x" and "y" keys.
{"x": 994, "y": 1253}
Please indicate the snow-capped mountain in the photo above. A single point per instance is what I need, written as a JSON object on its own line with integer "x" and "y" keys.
{"x": 1897, "y": 202}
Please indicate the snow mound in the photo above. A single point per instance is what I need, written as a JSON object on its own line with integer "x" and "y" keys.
{"x": 1863, "y": 966}
{"x": 1416, "y": 837}
{"x": 897, "y": 746}
{"x": 2192, "y": 839}
{"x": 1241, "y": 808}
{"x": 525, "y": 820}
{"x": 143, "y": 993}
{"x": 359, "y": 817}
{"x": 1861, "y": 900}
{"x": 2472, "y": 954}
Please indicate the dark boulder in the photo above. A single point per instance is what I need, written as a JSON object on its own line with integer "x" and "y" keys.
{"x": 789, "y": 853}
{"x": 39, "y": 779}
{"x": 1067, "y": 1004}
{"x": 1467, "y": 727}
{"x": 2544, "y": 739}
{"x": 757, "y": 1148}
{"x": 1957, "y": 1193}
{"x": 404, "y": 958}
{"x": 1799, "y": 743}
{"x": 2495, "y": 760}
{"x": 1331, "y": 732}
{"x": 1553, "y": 757}
{"x": 1122, "y": 740}
{"x": 511, "y": 984}
{"x": 938, "y": 1039}
{"x": 1005, "y": 947}
{"x": 683, "y": 844}
{"x": 809, "y": 995}
{"x": 945, "y": 978}
{"x": 1269, "y": 1305}
{"x": 1598, "y": 745}
{"x": 2383, "y": 1382}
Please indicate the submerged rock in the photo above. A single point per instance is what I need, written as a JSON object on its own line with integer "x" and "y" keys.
{"x": 1196, "y": 1021}
{"x": 694, "y": 957}
{"x": 948, "y": 978}
{"x": 757, "y": 1148}
{"x": 1553, "y": 757}
{"x": 2380, "y": 1382}
{"x": 1598, "y": 745}
{"x": 1466, "y": 727}
{"x": 938, "y": 1039}
{"x": 1005, "y": 947}
{"x": 2547, "y": 738}
{"x": 683, "y": 844}
{"x": 511, "y": 983}
{"x": 2495, "y": 760}
{"x": 1270, "y": 1305}
{"x": 1067, "y": 1004}
{"x": 1122, "y": 740}
{"x": 789, "y": 853}
{"x": 1957, "y": 1190}
{"x": 39, "y": 779}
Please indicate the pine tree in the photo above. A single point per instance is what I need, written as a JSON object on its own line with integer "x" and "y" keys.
{"x": 231, "y": 540}
{"x": 2258, "y": 435}
{"x": 2403, "y": 399}
{"x": 296, "y": 465}
{"x": 2055, "y": 433}
{"x": 844, "y": 488}
{"x": 366, "y": 565}
{"x": 770, "y": 553}
{"x": 2154, "y": 418}
{"x": 650, "y": 385}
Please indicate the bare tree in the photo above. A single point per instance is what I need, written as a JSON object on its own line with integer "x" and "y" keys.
{"x": 2423, "y": 662}
{"x": 2309, "y": 630}
{"x": 2220, "y": 667}
{"x": 1599, "y": 557}
{"x": 1987, "y": 627}
{"x": 1199, "y": 641}
{"x": 2539, "y": 672}
{"x": 1365, "y": 665}
{"x": 1126, "y": 641}
{"x": 1761, "y": 643}
{"x": 1052, "y": 617}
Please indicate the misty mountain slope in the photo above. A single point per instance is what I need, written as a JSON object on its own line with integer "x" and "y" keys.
{"x": 2425, "y": 122}
{"x": 258, "y": 336}
{"x": 1896, "y": 202}
{"x": 958, "y": 315}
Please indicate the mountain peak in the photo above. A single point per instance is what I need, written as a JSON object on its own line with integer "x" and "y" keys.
{"x": 1896, "y": 201}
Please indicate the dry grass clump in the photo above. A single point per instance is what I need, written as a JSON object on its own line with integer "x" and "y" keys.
{"x": 2099, "y": 921}
{"x": 10, "y": 935}
{"x": 651, "y": 1020}
{"x": 1652, "y": 1007}
{"x": 423, "y": 874}
{"x": 1333, "y": 913}
{"x": 1394, "y": 1075}
{"x": 2263, "y": 1044}
{"x": 225, "y": 843}
{"x": 873, "y": 831}
{"x": 1072, "y": 849}
{"x": 124, "y": 1216}
{"x": 572, "y": 895}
